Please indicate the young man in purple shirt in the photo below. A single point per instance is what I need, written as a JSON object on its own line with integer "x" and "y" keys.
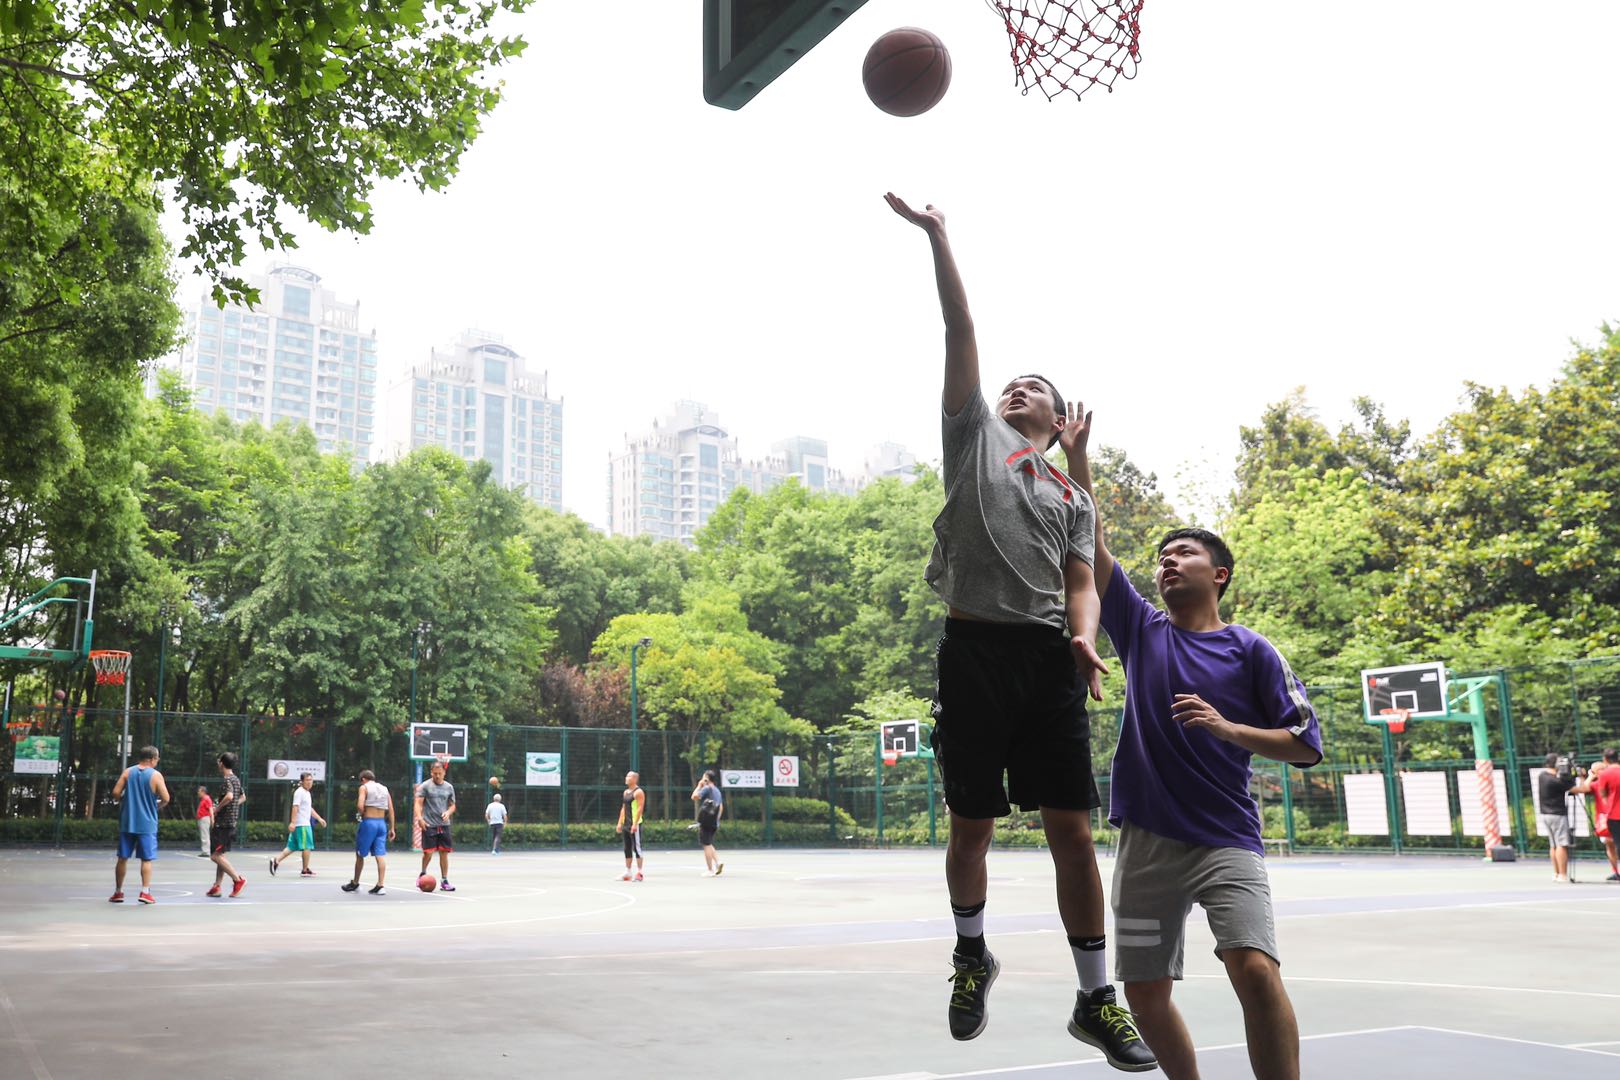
{"x": 1013, "y": 562}
{"x": 1202, "y": 696}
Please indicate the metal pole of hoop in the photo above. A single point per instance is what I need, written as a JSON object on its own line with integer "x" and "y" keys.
{"x": 112, "y": 667}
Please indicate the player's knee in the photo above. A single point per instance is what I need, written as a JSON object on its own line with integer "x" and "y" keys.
{"x": 1253, "y": 973}
{"x": 1150, "y": 998}
{"x": 971, "y": 837}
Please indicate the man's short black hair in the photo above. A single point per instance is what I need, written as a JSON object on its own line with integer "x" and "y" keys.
{"x": 367, "y": 776}
{"x": 1552, "y": 760}
{"x": 1219, "y": 553}
{"x": 1612, "y": 756}
{"x": 148, "y": 753}
{"x": 1057, "y": 401}
{"x": 228, "y": 760}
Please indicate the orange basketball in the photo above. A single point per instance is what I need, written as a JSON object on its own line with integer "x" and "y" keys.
{"x": 907, "y": 71}
{"x": 427, "y": 883}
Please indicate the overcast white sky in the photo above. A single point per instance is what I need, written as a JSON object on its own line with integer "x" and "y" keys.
{"x": 1358, "y": 199}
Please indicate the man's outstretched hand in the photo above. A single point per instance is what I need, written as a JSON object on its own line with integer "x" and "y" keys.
{"x": 1076, "y": 432}
{"x": 930, "y": 220}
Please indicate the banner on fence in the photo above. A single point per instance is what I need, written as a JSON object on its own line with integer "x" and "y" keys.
{"x": 1365, "y": 812}
{"x": 1468, "y": 801}
{"x": 542, "y": 770}
{"x": 787, "y": 771}
{"x": 292, "y": 769}
{"x": 1426, "y": 800}
{"x": 38, "y": 754}
{"x": 742, "y": 778}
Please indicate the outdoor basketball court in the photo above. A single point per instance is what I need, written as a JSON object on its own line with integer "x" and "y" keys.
{"x": 815, "y": 964}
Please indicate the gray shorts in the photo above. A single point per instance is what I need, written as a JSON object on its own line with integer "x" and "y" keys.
{"x": 1557, "y": 826}
{"x": 1156, "y": 883}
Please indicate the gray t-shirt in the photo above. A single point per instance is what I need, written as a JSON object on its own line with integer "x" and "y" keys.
{"x": 436, "y": 799}
{"x": 1011, "y": 519}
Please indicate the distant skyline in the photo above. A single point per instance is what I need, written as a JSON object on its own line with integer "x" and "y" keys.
{"x": 1300, "y": 197}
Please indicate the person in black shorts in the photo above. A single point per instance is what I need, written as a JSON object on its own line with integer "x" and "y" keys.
{"x": 711, "y": 807}
{"x": 1012, "y": 561}
{"x": 435, "y": 806}
{"x": 222, "y": 831}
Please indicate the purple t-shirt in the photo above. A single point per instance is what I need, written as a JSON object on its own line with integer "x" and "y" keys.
{"x": 1187, "y": 784}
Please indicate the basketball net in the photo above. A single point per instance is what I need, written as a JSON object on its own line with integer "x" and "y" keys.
{"x": 1396, "y": 719}
{"x": 1070, "y": 46}
{"x": 891, "y": 757}
{"x": 111, "y": 666}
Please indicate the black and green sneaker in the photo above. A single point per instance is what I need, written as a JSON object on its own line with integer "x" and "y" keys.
{"x": 1099, "y": 1022}
{"x": 970, "y": 991}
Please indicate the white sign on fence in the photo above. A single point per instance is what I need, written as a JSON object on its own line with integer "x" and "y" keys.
{"x": 787, "y": 771}
{"x": 542, "y": 770}
{"x": 1365, "y": 812}
{"x": 290, "y": 769}
{"x": 742, "y": 778}
{"x": 1583, "y": 824}
{"x": 1468, "y": 800}
{"x": 1426, "y": 802}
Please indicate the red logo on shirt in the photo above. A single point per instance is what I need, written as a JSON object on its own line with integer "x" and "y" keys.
{"x": 1049, "y": 474}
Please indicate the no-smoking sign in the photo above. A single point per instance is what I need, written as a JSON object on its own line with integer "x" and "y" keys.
{"x": 787, "y": 771}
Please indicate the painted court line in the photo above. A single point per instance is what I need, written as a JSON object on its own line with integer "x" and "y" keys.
{"x": 1433, "y": 986}
{"x": 24, "y": 1041}
{"x": 1521, "y": 1042}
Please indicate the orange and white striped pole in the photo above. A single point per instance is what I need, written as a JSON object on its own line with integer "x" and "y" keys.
{"x": 1487, "y": 805}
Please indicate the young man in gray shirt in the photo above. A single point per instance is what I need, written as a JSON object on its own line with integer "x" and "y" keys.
{"x": 1012, "y": 561}
{"x": 435, "y": 806}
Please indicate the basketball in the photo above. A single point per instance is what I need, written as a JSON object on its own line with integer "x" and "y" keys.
{"x": 61, "y": 695}
{"x": 427, "y": 883}
{"x": 494, "y": 781}
{"x": 906, "y": 71}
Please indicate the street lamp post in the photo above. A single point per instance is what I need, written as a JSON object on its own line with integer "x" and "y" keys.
{"x": 635, "y": 733}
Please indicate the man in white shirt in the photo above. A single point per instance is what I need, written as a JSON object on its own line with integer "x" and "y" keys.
{"x": 495, "y": 815}
{"x": 300, "y": 836}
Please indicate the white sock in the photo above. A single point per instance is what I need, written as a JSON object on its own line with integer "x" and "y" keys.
{"x": 1090, "y": 961}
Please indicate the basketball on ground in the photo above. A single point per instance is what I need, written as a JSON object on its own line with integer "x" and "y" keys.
{"x": 907, "y": 71}
{"x": 427, "y": 883}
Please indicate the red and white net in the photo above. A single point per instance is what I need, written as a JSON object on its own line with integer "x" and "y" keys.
{"x": 1069, "y": 46}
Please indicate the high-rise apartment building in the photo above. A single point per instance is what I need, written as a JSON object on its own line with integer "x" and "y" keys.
{"x": 890, "y": 459}
{"x": 668, "y": 482}
{"x": 298, "y": 356}
{"x": 477, "y": 399}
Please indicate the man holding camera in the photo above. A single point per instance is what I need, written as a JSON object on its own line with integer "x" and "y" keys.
{"x": 1552, "y": 789}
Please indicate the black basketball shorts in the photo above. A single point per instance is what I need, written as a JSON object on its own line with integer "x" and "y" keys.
{"x": 1010, "y": 704}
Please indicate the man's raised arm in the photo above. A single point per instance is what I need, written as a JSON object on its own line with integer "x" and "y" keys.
{"x": 961, "y": 347}
{"x": 1073, "y": 438}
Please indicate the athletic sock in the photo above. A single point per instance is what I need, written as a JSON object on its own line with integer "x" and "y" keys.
{"x": 969, "y": 929}
{"x": 1090, "y": 961}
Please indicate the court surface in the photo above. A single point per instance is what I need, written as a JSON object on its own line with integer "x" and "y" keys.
{"x": 812, "y": 964}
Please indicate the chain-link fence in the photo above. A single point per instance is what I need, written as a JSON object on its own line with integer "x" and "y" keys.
{"x": 564, "y": 786}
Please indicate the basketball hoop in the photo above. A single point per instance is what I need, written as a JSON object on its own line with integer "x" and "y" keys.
{"x": 891, "y": 757}
{"x": 18, "y": 729}
{"x": 1396, "y": 720}
{"x": 443, "y": 759}
{"x": 111, "y": 665}
{"x": 1071, "y": 45}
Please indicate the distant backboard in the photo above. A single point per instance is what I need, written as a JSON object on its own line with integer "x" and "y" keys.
{"x": 748, "y": 43}
{"x": 428, "y": 741}
{"x": 1418, "y": 688}
{"x": 902, "y": 737}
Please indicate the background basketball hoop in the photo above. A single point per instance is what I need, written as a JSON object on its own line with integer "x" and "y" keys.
{"x": 112, "y": 666}
{"x": 891, "y": 757}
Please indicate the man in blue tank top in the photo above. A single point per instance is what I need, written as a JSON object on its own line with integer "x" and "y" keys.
{"x": 140, "y": 793}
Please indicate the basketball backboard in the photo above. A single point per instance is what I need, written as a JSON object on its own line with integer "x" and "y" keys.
{"x": 428, "y": 741}
{"x": 1420, "y": 689}
{"x": 748, "y": 43}
{"x": 902, "y": 737}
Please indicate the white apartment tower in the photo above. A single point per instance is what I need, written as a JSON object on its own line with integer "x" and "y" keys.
{"x": 477, "y": 399}
{"x": 668, "y": 482}
{"x": 298, "y": 356}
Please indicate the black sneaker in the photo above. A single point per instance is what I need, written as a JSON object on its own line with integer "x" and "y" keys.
{"x": 350, "y": 886}
{"x": 1099, "y": 1022}
{"x": 1612, "y": 877}
{"x": 377, "y": 890}
{"x": 274, "y": 866}
{"x": 970, "y": 991}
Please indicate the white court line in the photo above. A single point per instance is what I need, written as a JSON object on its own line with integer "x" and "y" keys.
{"x": 1104, "y": 1061}
{"x": 818, "y": 925}
{"x": 1588, "y": 1046}
{"x": 1433, "y": 986}
{"x": 1511, "y": 1039}
{"x": 412, "y": 928}
{"x": 29, "y": 1050}
{"x": 710, "y": 951}
{"x": 1410, "y": 910}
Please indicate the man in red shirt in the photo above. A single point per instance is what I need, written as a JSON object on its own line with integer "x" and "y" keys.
{"x": 1603, "y": 781}
{"x": 205, "y": 819}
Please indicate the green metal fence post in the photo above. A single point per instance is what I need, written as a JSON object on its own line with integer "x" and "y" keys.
{"x": 1288, "y": 805}
{"x": 489, "y": 771}
{"x": 1391, "y": 802}
{"x": 562, "y": 805}
{"x": 1575, "y": 708}
{"x": 331, "y": 776}
{"x": 877, "y": 782}
{"x": 832, "y": 794}
{"x": 932, "y": 838}
{"x": 1510, "y": 750}
{"x": 770, "y": 787}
